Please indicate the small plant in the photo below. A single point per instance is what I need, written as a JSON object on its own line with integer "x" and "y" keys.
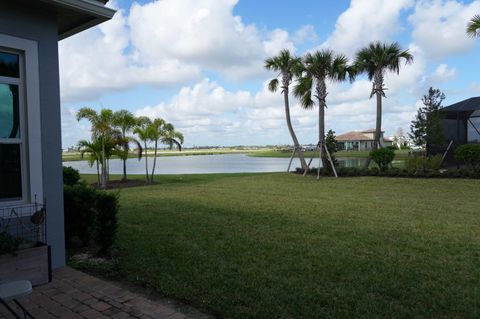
{"x": 383, "y": 157}
{"x": 9, "y": 244}
{"x": 469, "y": 154}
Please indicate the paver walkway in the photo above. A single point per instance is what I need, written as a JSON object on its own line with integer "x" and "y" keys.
{"x": 73, "y": 294}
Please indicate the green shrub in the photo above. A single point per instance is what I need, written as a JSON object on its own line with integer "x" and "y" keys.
{"x": 9, "y": 244}
{"x": 106, "y": 220}
{"x": 71, "y": 176}
{"x": 383, "y": 157}
{"x": 421, "y": 164}
{"x": 469, "y": 154}
{"x": 79, "y": 206}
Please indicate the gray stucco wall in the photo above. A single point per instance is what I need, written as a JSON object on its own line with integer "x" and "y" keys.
{"x": 36, "y": 22}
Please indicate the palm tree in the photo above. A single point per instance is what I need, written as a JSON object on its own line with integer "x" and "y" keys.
{"x": 317, "y": 68}
{"x": 125, "y": 121}
{"x": 94, "y": 151}
{"x": 102, "y": 129}
{"x": 142, "y": 130}
{"x": 156, "y": 132}
{"x": 172, "y": 137}
{"x": 473, "y": 26}
{"x": 376, "y": 60}
{"x": 286, "y": 65}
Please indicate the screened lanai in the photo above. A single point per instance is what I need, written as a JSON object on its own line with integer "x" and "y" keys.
{"x": 461, "y": 121}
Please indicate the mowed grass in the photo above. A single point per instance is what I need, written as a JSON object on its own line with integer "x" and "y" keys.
{"x": 284, "y": 246}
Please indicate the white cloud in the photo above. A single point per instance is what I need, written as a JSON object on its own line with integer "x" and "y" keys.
{"x": 443, "y": 73}
{"x": 439, "y": 27}
{"x": 366, "y": 21}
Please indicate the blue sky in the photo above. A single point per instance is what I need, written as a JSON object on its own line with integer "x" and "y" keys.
{"x": 199, "y": 64}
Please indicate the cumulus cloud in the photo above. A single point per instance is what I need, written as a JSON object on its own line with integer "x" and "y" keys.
{"x": 439, "y": 27}
{"x": 365, "y": 21}
{"x": 148, "y": 45}
{"x": 443, "y": 74}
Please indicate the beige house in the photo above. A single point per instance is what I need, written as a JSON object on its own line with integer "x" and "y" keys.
{"x": 360, "y": 140}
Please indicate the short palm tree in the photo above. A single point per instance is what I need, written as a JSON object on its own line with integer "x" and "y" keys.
{"x": 94, "y": 151}
{"x": 375, "y": 60}
{"x": 473, "y": 26}
{"x": 318, "y": 68}
{"x": 102, "y": 129}
{"x": 286, "y": 65}
{"x": 142, "y": 130}
{"x": 125, "y": 121}
{"x": 156, "y": 132}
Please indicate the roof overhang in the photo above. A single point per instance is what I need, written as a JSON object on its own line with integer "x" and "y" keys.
{"x": 75, "y": 16}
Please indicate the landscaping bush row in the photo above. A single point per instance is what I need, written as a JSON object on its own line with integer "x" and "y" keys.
{"x": 398, "y": 172}
{"x": 90, "y": 214}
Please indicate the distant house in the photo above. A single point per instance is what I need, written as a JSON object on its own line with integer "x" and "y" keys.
{"x": 360, "y": 140}
{"x": 30, "y": 129}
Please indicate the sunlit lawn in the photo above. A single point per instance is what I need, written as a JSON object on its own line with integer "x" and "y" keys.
{"x": 284, "y": 246}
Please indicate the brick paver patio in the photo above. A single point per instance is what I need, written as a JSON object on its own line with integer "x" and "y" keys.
{"x": 73, "y": 294}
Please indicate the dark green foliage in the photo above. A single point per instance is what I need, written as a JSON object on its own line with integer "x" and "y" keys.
{"x": 469, "y": 154}
{"x": 9, "y": 244}
{"x": 90, "y": 215}
{"x": 71, "y": 176}
{"x": 426, "y": 129}
{"x": 106, "y": 220}
{"x": 383, "y": 157}
{"x": 79, "y": 207}
{"x": 422, "y": 164}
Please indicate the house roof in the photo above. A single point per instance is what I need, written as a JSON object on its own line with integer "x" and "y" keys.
{"x": 74, "y": 16}
{"x": 358, "y": 136}
{"x": 370, "y": 130}
{"x": 468, "y": 105}
{"x": 353, "y": 136}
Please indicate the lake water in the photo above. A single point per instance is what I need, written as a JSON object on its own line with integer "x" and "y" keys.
{"x": 206, "y": 164}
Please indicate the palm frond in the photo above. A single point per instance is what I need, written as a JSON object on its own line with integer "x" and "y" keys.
{"x": 473, "y": 26}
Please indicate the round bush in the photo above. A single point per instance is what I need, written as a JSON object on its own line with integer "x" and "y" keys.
{"x": 383, "y": 157}
{"x": 469, "y": 154}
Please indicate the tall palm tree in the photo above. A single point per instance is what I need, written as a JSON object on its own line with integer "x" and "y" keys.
{"x": 473, "y": 26}
{"x": 125, "y": 121}
{"x": 94, "y": 151}
{"x": 102, "y": 129}
{"x": 376, "y": 60}
{"x": 318, "y": 68}
{"x": 156, "y": 133}
{"x": 286, "y": 65}
{"x": 172, "y": 137}
{"x": 142, "y": 130}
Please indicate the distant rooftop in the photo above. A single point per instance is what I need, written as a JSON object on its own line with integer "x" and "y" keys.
{"x": 357, "y": 136}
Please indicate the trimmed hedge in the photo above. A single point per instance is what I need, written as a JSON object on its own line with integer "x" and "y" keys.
{"x": 469, "y": 154}
{"x": 90, "y": 215}
{"x": 397, "y": 172}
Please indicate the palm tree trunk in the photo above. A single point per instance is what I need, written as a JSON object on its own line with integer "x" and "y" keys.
{"x": 124, "y": 170}
{"x": 378, "y": 127}
{"x": 154, "y": 161}
{"x": 290, "y": 128}
{"x": 146, "y": 161}
{"x": 98, "y": 173}
{"x": 322, "y": 96}
{"x": 104, "y": 164}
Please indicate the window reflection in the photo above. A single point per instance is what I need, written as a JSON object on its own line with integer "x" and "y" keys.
{"x": 9, "y": 111}
{"x": 9, "y": 65}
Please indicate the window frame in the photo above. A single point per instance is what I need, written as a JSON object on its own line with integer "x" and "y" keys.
{"x": 30, "y": 117}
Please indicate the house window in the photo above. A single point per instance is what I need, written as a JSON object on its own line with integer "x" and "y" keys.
{"x": 11, "y": 144}
{"x": 21, "y": 177}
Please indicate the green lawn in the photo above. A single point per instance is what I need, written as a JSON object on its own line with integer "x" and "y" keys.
{"x": 284, "y": 246}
